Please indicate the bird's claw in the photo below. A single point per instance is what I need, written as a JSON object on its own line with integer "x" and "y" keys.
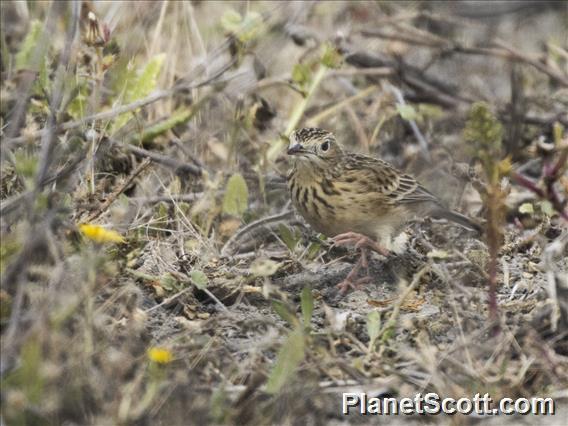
{"x": 348, "y": 284}
{"x": 359, "y": 241}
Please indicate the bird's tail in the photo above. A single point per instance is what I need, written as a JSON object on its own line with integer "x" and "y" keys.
{"x": 458, "y": 218}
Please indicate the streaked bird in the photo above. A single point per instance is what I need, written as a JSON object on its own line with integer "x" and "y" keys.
{"x": 356, "y": 199}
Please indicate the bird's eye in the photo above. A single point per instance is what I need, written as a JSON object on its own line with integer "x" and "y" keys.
{"x": 325, "y": 146}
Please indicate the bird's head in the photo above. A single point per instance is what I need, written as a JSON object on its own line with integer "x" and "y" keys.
{"x": 314, "y": 145}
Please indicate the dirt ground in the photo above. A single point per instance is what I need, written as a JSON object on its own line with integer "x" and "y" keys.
{"x": 154, "y": 270}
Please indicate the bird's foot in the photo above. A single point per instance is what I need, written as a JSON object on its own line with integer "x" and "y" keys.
{"x": 360, "y": 241}
{"x": 352, "y": 284}
{"x": 351, "y": 281}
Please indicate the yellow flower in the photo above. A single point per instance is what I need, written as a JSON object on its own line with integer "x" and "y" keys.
{"x": 99, "y": 234}
{"x": 160, "y": 355}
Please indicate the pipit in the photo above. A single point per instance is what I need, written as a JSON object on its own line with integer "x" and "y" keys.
{"x": 356, "y": 199}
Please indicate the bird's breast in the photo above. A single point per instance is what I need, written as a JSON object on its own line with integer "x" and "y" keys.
{"x": 309, "y": 199}
{"x": 333, "y": 208}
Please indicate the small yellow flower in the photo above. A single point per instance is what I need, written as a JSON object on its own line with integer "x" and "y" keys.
{"x": 160, "y": 355}
{"x": 99, "y": 234}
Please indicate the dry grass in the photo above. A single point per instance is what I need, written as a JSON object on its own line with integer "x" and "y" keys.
{"x": 201, "y": 298}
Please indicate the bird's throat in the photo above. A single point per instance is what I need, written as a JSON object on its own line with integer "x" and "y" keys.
{"x": 308, "y": 171}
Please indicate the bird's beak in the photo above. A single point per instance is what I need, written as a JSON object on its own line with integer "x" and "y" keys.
{"x": 295, "y": 149}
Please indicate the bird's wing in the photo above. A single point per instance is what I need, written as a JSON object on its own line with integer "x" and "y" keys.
{"x": 410, "y": 191}
{"x": 378, "y": 176}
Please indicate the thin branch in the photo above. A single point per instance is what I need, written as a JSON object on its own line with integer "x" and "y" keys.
{"x": 176, "y": 165}
{"x": 501, "y": 50}
{"x": 48, "y": 136}
{"x": 519, "y": 56}
{"x": 417, "y": 133}
{"x": 174, "y": 198}
{"x": 251, "y": 227}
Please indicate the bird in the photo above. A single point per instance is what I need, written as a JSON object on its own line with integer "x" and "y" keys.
{"x": 356, "y": 199}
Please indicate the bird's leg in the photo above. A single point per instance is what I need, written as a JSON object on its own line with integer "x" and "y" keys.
{"x": 351, "y": 281}
{"x": 363, "y": 243}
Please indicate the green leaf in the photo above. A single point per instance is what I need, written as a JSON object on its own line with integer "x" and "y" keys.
{"x": 146, "y": 79}
{"x": 231, "y": 20}
{"x": 526, "y": 208}
{"x": 264, "y": 267}
{"x": 373, "y": 326}
{"x": 547, "y": 208}
{"x": 288, "y": 237}
{"x": 76, "y": 108}
{"x": 389, "y": 332}
{"x": 199, "y": 279}
{"x": 331, "y": 57}
{"x": 284, "y": 312}
{"x": 432, "y": 111}
{"x": 176, "y": 118}
{"x": 168, "y": 282}
{"x": 25, "y": 55}
{"x": 289, "y": 358}
{"x": 313, "y": 250}
{"x": 245, "y": 29}
{"x": 407, "y": 112}
{"x": 307, "y": 304}
{"x": 438, "y": 254}
{"x": 139, "y": 84}
{"x": 235, "y": 201}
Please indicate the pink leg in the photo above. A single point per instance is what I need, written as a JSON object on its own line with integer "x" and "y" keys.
{"x": 362, "y": 243}
{"x": 351, "y": 281}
